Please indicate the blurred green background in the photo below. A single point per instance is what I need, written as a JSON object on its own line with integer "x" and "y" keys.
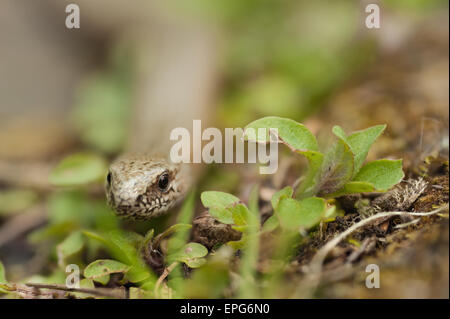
{"x": 77, "y": 94}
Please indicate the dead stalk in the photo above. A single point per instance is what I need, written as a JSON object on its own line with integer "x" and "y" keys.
{"x": 104, "y": 292}
{"x": 165, "y": 273}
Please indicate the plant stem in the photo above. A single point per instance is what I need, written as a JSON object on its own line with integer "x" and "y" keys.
{"x": 165, "y": 273}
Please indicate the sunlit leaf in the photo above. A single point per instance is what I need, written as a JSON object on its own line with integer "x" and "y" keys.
{"x": 218, "y": 199}
{"x": 383, "y": 174}
{"x": 191, "y": 254}
{"x": 360, "y": 142}
{"x": 240, "y": 214}
{"x": 101, "y": 269}
{"x": 218, "y": 204}
{"x": 295, "y": 135}
{"x": 285, "y": 192}
{"x": 270, "y": 224}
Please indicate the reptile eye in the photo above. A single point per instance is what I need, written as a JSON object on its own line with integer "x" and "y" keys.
{"x": 163, "y": 182}
{"x": 109, "y": 178}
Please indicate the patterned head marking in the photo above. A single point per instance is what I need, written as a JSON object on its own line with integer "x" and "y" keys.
{"x": 143, "y": 187}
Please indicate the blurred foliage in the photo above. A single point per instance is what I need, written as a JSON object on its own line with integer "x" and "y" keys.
{"x": 79, "y": 169}
{"x": 281, "y": 58}
{"x": 212, "y": 279}
{"x": 16, "y": 200}
{"x": 102, "y": 103}
{"x": 415, "y": 6}
{"x": 2, "y": 276}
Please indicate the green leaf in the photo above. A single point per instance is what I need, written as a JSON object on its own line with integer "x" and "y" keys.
{"x": 339, "y": 132}
{"x": 139, "y": 273}
{"x": 127, "y": 240}
{"x": 79, "y": 169}
{"x": 360, "y": 142}
{"x": 309, "y": 185}
{"x": 192, "y": 255}
{"x": 218, "y": 204}
{"x": 176, "y": 228}
{"x": 124, "y": 247}
{"x": 96, "y": 236}
{"x": 241, "y": 228}
{"x": 330, "y": 213}
{"x": 87, "y": 283}
{"x": 353, "y": 188}
{"x": 127, "y": 243}
{"x": 270, "y": 224}
{"x": 337, "y": 168}
{"x": 195, "y": 262}
{"x": 70, "y": 246}
{"x": 101, "y": 269}
{"x": 69, "y": 206}
{"x": 240, "y": 214}
{"x": 222, "y": 215}
{"x": 147, "y": 238}
{"x": 194, "y": 250}
{"x": 295, "y": 135}
{"x": 383, "y": 174}
{"x": 237, "y": 244}
{"x": 218, "y": 199}
{"x": 304, "y": 213}
{"x": 285, "y": 192}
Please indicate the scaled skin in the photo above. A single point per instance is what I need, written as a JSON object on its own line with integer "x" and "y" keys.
{"x": 133, "y": 186}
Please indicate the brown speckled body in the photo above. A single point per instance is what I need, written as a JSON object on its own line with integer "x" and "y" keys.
{"x": 132, "y": 186}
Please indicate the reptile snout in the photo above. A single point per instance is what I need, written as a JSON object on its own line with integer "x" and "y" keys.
{"x": 143, "y": 187}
